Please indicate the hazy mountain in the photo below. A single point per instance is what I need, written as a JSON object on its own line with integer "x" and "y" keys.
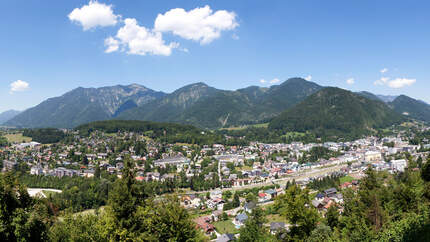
{"x": 7, "y": 115}
{"x": 334, "y": 111}
{"x": 207, "y": 107}
{"x": 411, "y": 107}
{"x": 83, "y": 105}
{"x": 369, "y": 95}
{"x": 387, "y": 98}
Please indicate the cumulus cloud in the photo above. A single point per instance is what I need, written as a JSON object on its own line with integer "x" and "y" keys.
{"x": 308, "y": 78}
{"x": 138, "y": 40}
{"x": 19, "y": 86}
{"x": 350, "y": 81}
{"x": 401, "y": 82}
{"x": 276, "y": 80}
{"x": 93, "y": 15}
{"x": 395, "y": 83}
{"x": 382, "y": 81}
{"x": 273, "y": 81}
{"x": 112, "y": 45}
{"x": 383, "y": 70}
{"x": 199, "y": 24}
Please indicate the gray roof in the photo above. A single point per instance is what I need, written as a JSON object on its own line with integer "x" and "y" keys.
{"x": 250, "y": 205}
{"x": 330, "y": 191}
{"x": 316, "y": 203}
{"x": 277, "y": 225}
{"x": 270, "y": 191}
{"x": 226, "y": 238}
{"x": 242, "y": 217}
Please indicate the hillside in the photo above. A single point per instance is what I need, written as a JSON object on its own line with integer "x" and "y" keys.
{"x": 83, "y": 105}
{"x": 164, "y": 132}
{"x": 411, "y": 107}
{"x": 334, "y": 111}
{"x": 207, "y": 107}
{"x": 171, "y": 106}
{"x": 7, "y": 115}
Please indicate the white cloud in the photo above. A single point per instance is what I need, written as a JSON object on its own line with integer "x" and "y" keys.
{"x": 350, "y": 81}
{"x": 112, "y": 45}
{"x": 276, "y": 80}
{"x": 19, "y": 86}
{"x": 93, "y": 15}
{"x": 273, "y": 81}
{"x": 199, "y": 24}
{"x": 395, "y": 83}
{"x": 383, "y": 70}
{"x": 401, "y": 82}
{"x": 381, "y": 81}
{"x": 308, "y": 78}
{"x": 138, "y": 40}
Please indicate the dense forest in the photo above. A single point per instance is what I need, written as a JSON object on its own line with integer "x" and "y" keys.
{"x": 163, "y": 132}
{"x": 44, "y": 136}
{"x": 3, "y": 141}
{"x": 336, "y": 112}
{"x": 129, "y": 216}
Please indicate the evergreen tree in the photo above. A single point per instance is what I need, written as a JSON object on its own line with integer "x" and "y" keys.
{"x": 254, "y": 229}
{"x": 236, "y": 201}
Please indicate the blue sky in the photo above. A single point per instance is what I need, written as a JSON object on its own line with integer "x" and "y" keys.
{"x": 236, "y": 44}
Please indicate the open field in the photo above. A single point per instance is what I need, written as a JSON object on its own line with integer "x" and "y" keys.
{"x": 17, "y": 138}
{"x": 263, "y": 125}
{"x": 294, "y": 135}
{"x": 346, "y": 179}
{"x": 225, "y": 227}
{"x": 276, "y": 218}
{"x": 244, "y": 168}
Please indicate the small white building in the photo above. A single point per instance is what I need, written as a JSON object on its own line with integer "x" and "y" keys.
{"x": 398, "y": 165}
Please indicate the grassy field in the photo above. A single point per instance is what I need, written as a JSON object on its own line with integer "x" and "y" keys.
{"x": 346, "y": 179}
{"x": 294, "y": 135}
{"x": 225, "y": 227}
{"x": 263, "y": 125}
{"x": 17, "y": 138}
{"x": 244, "y": 168}
{"x": 276, "y": 218}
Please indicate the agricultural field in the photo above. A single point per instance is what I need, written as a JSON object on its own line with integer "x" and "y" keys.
{"x": 17, "y": 138}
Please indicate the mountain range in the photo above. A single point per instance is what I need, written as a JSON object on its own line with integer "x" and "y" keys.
{"x": 7, "y": 115}
{"x": 201, "y": 105}
{"x": 83, "y": 105}
{"x": 207, "y": 107}
{"x": 334, "y": 111}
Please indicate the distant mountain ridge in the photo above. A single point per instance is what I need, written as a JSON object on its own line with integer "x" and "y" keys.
{"x": 197, "y": 104}
{"x": 83, "y": 105}
{"x": 338, "y": 112}
{"x": 7, "y": 115}
{"x": 411, "y": 107}
{"x": 207, "y": 107}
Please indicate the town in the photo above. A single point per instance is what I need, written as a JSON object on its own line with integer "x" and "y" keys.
{"x": 221, "y": 184}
